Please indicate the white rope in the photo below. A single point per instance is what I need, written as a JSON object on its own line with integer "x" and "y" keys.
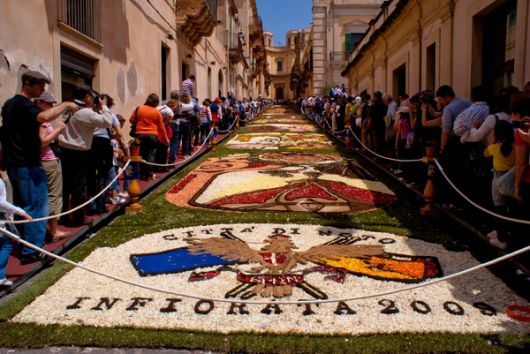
{"x": 285, "y": 302}
{"x": 381, "y": 156}
{"x": 229, "y": 128}
{"x": 71, "y": 210}
{"x": 180, "y": 162}
{"x": 519, "y": 221}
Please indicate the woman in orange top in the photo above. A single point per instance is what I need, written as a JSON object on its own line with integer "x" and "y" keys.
{"x": 149, "y": 124}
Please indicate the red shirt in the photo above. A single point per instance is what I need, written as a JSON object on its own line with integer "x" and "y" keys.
{"x": 520, "y": 142}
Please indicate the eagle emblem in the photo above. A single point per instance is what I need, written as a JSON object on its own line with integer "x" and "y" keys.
{"x": 274, "y": 268}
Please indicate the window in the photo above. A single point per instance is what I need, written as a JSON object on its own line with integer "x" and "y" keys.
{"x": 497, "y": 33}
{"x": 399, "y": 81}
{"x": 279, "y": 66}
{"x": 76, "y": 69}
{"x": 185, "y": 71}
{"x": 431, "y": 67}
{"x": 82, "y": 15}
{"x": 351, "y": 41}
{"x": 163, "y": 72}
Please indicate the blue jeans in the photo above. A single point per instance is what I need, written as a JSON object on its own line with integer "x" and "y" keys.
{"x": 6, "y": 245}
{"x": 205, "y": 129}
{"x": 30, "y": 192}
{"x": 180, "y": 132}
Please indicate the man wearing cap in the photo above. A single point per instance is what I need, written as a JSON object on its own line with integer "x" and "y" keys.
{"x": 21, "y": 120}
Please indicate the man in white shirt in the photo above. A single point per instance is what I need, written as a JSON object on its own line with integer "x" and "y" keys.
{"x": 75, "y": 143}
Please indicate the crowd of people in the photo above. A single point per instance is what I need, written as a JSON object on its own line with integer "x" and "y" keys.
{"x": 56, "y": 167}
{"x": 482, "y": 142}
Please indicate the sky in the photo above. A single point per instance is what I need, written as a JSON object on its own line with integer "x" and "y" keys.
{"x": 280, "y": 16}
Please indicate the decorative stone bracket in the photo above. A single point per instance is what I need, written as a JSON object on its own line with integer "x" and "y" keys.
{"x": 194, "y": 20}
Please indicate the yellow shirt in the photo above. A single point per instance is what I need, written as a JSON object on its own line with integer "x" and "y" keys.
{"x": 501, "y": 163}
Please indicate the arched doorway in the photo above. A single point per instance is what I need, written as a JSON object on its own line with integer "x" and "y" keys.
{"x": 279, "y": 93}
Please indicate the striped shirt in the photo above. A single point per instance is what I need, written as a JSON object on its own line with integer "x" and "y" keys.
{"x": 205, "y": 114}
{"x": 188, "y": 87}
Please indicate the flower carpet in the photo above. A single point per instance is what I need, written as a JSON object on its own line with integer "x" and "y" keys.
{"x": 280, "y": 182}
{"x": 276, "y": 141}
{"x": 283, "y": 127}
{"x": 170, "y": 260}
{"x": 274, "y": 242}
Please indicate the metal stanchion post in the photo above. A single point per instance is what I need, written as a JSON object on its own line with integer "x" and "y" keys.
{"x": 429, "y": 191}
{"x": 134, "y": 187}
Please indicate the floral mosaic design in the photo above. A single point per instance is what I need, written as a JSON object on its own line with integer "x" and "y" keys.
{"x": 302, "y": 182}
{"x": 298, "y": 128}
{"x": 276, "y": 141}
{"x": 292, "y": 262}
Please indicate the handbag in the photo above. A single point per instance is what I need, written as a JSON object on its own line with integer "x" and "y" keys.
{"x": 132, "y": 132}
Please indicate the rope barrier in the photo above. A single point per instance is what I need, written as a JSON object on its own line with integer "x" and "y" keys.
{"x": 181, "y": 162}
{"x": 229, "y": 128}
{"x": 250, "y": 302}
{"x": 519, "y": 221}
{"x": 71, "y": 210}
{"x": 381, "y": 156}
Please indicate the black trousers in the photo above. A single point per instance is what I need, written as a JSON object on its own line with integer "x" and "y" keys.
{"x": 101, "y": 155}
{"x": 75, "y": 164}
{"x": 147, "y": 151}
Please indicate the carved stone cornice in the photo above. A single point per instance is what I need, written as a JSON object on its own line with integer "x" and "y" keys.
{"x": 194, "y": 20}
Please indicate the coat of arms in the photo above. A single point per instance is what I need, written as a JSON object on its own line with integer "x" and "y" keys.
{"x": 279, "y": 266}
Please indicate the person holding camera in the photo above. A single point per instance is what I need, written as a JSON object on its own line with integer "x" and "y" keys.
{"x": 101, "y": 158}
{"x": 76, "y": 143}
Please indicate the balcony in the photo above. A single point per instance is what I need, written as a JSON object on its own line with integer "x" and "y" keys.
{"x": 235, "y": 47}
{"x": 195, "y": 19}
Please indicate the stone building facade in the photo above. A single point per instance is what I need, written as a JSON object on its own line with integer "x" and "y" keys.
{"x": 337, "y": 26}
{"x": 416, "y": 45}
{"x": 282, "y": 61}
{"x": 130, "y": 48}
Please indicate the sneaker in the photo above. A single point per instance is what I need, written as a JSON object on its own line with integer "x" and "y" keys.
{"x": 117, "y": 200}
{"x": 5, "y": 282}
{"x": 493, "y": 238}
{"x": 123, "y": 195}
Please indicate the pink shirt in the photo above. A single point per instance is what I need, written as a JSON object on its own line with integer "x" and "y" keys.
{"x": 46, "y": 153}
{"x": 405, "y": 128}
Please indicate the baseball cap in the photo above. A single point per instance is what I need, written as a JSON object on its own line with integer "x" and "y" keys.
{"x": 35, "y": 75}
{"x": 47, "y": 97}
